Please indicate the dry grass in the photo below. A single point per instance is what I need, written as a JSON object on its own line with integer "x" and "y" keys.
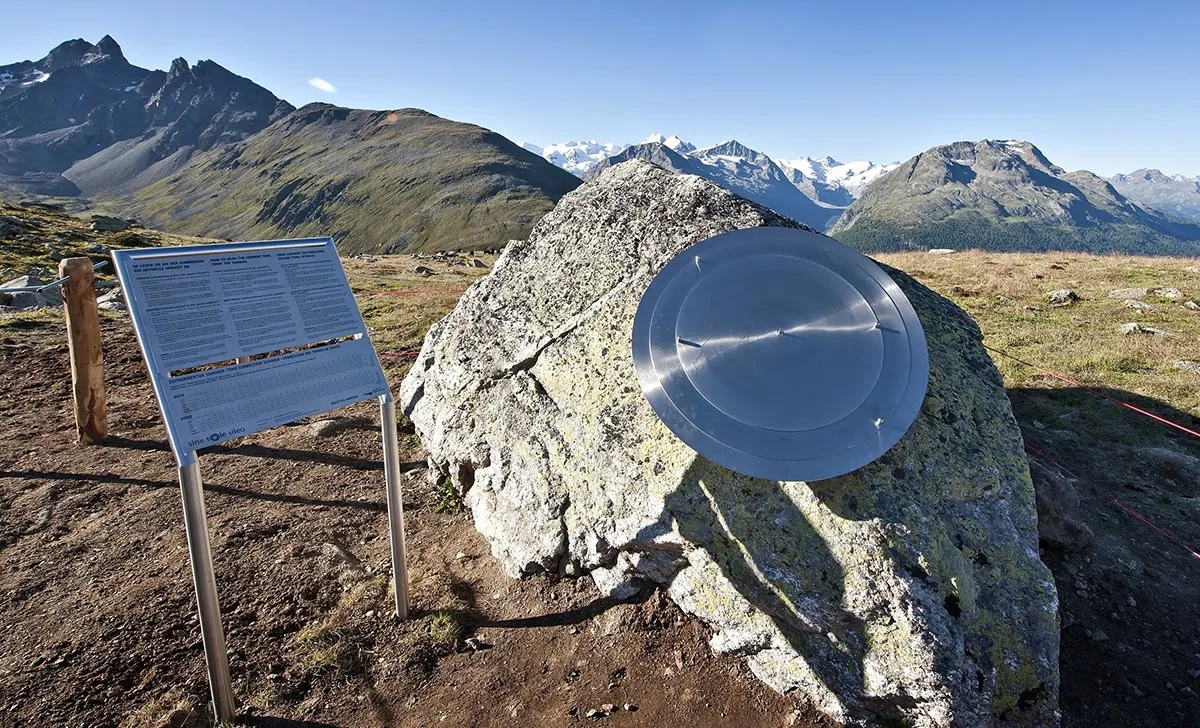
{"x": 1081, "y": 340}
{"x": 397, "y": 322}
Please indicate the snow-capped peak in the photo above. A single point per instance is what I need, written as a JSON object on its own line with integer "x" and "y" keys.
{"x": 853, "y": 176}
{"x": 577, "y": 157}
{"x": 672, "y": 142}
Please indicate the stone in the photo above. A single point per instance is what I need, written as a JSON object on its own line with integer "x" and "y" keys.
{"x": 1136, "y": 328}
{"x": 941, "y": 251}
{"x": 114, "y": 300}
{"x": 1138, "y": 305}
{"x": 1060, "y": 522}
{"x": 422, "y": 270}
{"x": 1187, "y": 366}
{"x": 1191, "y": 305}
{"x": 327, "y": 427}
{"x": 477, "y": 263}
{"x": 24, "y": 300}
{"x": 1123, "y": 293}
{"x": 1063, "y": 297}
{"x": 1171, "y": 294}
{"x": 106, "y": 224}
{"x": 910, "y": 590}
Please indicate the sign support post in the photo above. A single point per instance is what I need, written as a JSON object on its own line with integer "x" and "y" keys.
{"x": 211, "y": 633}
{"x": 395, "y": 502}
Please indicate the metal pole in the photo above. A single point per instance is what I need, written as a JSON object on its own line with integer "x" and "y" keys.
{"x": 206, "y": 589}
{"x": 395, "y": 502}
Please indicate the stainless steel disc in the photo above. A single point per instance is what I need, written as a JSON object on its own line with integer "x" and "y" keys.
{"x": 780, "y": 353}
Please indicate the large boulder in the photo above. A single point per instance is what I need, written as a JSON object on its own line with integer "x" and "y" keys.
{"x": 908, "y": 590}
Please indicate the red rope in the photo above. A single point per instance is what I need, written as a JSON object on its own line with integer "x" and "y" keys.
{"x": 1097, "y": 392}
{"x": 1112, "y": 500}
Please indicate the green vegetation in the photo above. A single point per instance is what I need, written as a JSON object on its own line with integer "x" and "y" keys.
{"x": 973, "y": 230}
{"x": 376, "y": 181}
{"x": 32, "y": 235}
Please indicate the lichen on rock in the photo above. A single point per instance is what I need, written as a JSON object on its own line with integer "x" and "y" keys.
{"x": 908, "y": 590}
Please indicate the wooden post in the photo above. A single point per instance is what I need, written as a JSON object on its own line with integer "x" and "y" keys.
{"x": 83, "y": 341}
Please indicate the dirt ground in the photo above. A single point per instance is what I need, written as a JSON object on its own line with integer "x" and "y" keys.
{"x": 97, "y": 611}
{"x": 97, "y": 617}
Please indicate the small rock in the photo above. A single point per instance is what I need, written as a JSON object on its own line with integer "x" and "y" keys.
{"x": 114, "y": 300}
{"x": 941, "y": 251}
{"x": 1138, "y": 305}
{"x": 1191, "y": 305}
{"x": 1096, "y": 635}
{"x": 1128, "y": 293}
{"x": 97, "y": 248}
{"x": 422, "y": 270}
{"x": 593, "y": 713}
{"x": 326, "y": 427}
{"x": 475, "y": 644}
{"x": 1188, "y": 692}
{"x": 370, "y": 613}
{"x": 1194, "y": 674}
{"x": 1187, "y": 366}
{"x": 1035, "y": 276}
{"x": 608, "y": 708}
{"x": 631, "y": 707}
{"x": 106, "y": 224}
{"x": 1063, "y": 297}
{"x": 459, "y": 556}
{"x": 1038, "y": 425}
{"x": 1171, "y": 294}
{"x": 477, "y": 263}
{"x": 1136, "y": 328}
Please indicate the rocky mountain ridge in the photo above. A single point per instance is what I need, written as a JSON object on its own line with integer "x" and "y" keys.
{"x": 199, "y": 149}
{"x": 83, "y": 119}
{"x": 825, "y": 181}
{"x": 736, "y": 168}
{"x": 1176, "y": 195}
{"x": 1004, "y": 195}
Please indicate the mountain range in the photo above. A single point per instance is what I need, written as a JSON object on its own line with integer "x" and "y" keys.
{"x": 200, "y": 149}
{"x": 84, "y": 120}
{"x": 831, "y": 184}
{"x": 1004, "y": 195}
{"x": 1175, "y": 195}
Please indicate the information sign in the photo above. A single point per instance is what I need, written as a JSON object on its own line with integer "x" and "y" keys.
{"x": 239, "y": 338}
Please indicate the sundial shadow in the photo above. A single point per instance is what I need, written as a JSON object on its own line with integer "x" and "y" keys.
{"x": 770, "y": 552}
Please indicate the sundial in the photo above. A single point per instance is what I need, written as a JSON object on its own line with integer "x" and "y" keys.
{"x": 780, "y": 353}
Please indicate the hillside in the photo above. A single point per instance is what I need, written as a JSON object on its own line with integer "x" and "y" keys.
{"x": 1175, "y": 195}
{"x": 1004, "y": 195}
{"x": 402, "y": 180}
{"x": 83, "y": 119}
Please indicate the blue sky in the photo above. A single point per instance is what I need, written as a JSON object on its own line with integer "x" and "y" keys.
{"x": 1097, "y": 85}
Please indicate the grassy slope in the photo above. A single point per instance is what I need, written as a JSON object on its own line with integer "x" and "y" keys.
{"x": 44, "y": 230}
{"x": 376, "y": 181}
{"x": 1080, "y": 341}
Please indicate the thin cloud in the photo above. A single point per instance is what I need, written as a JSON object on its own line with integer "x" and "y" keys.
{"x": 322, "y": 85}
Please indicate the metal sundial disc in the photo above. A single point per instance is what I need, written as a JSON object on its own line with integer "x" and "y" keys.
{"x": 780, "y": 353}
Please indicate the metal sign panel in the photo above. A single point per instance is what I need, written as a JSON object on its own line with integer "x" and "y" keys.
{"x": 202, "y": 305}
{"x": 780, "y": 353}
{"x": 197, "y": 305}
